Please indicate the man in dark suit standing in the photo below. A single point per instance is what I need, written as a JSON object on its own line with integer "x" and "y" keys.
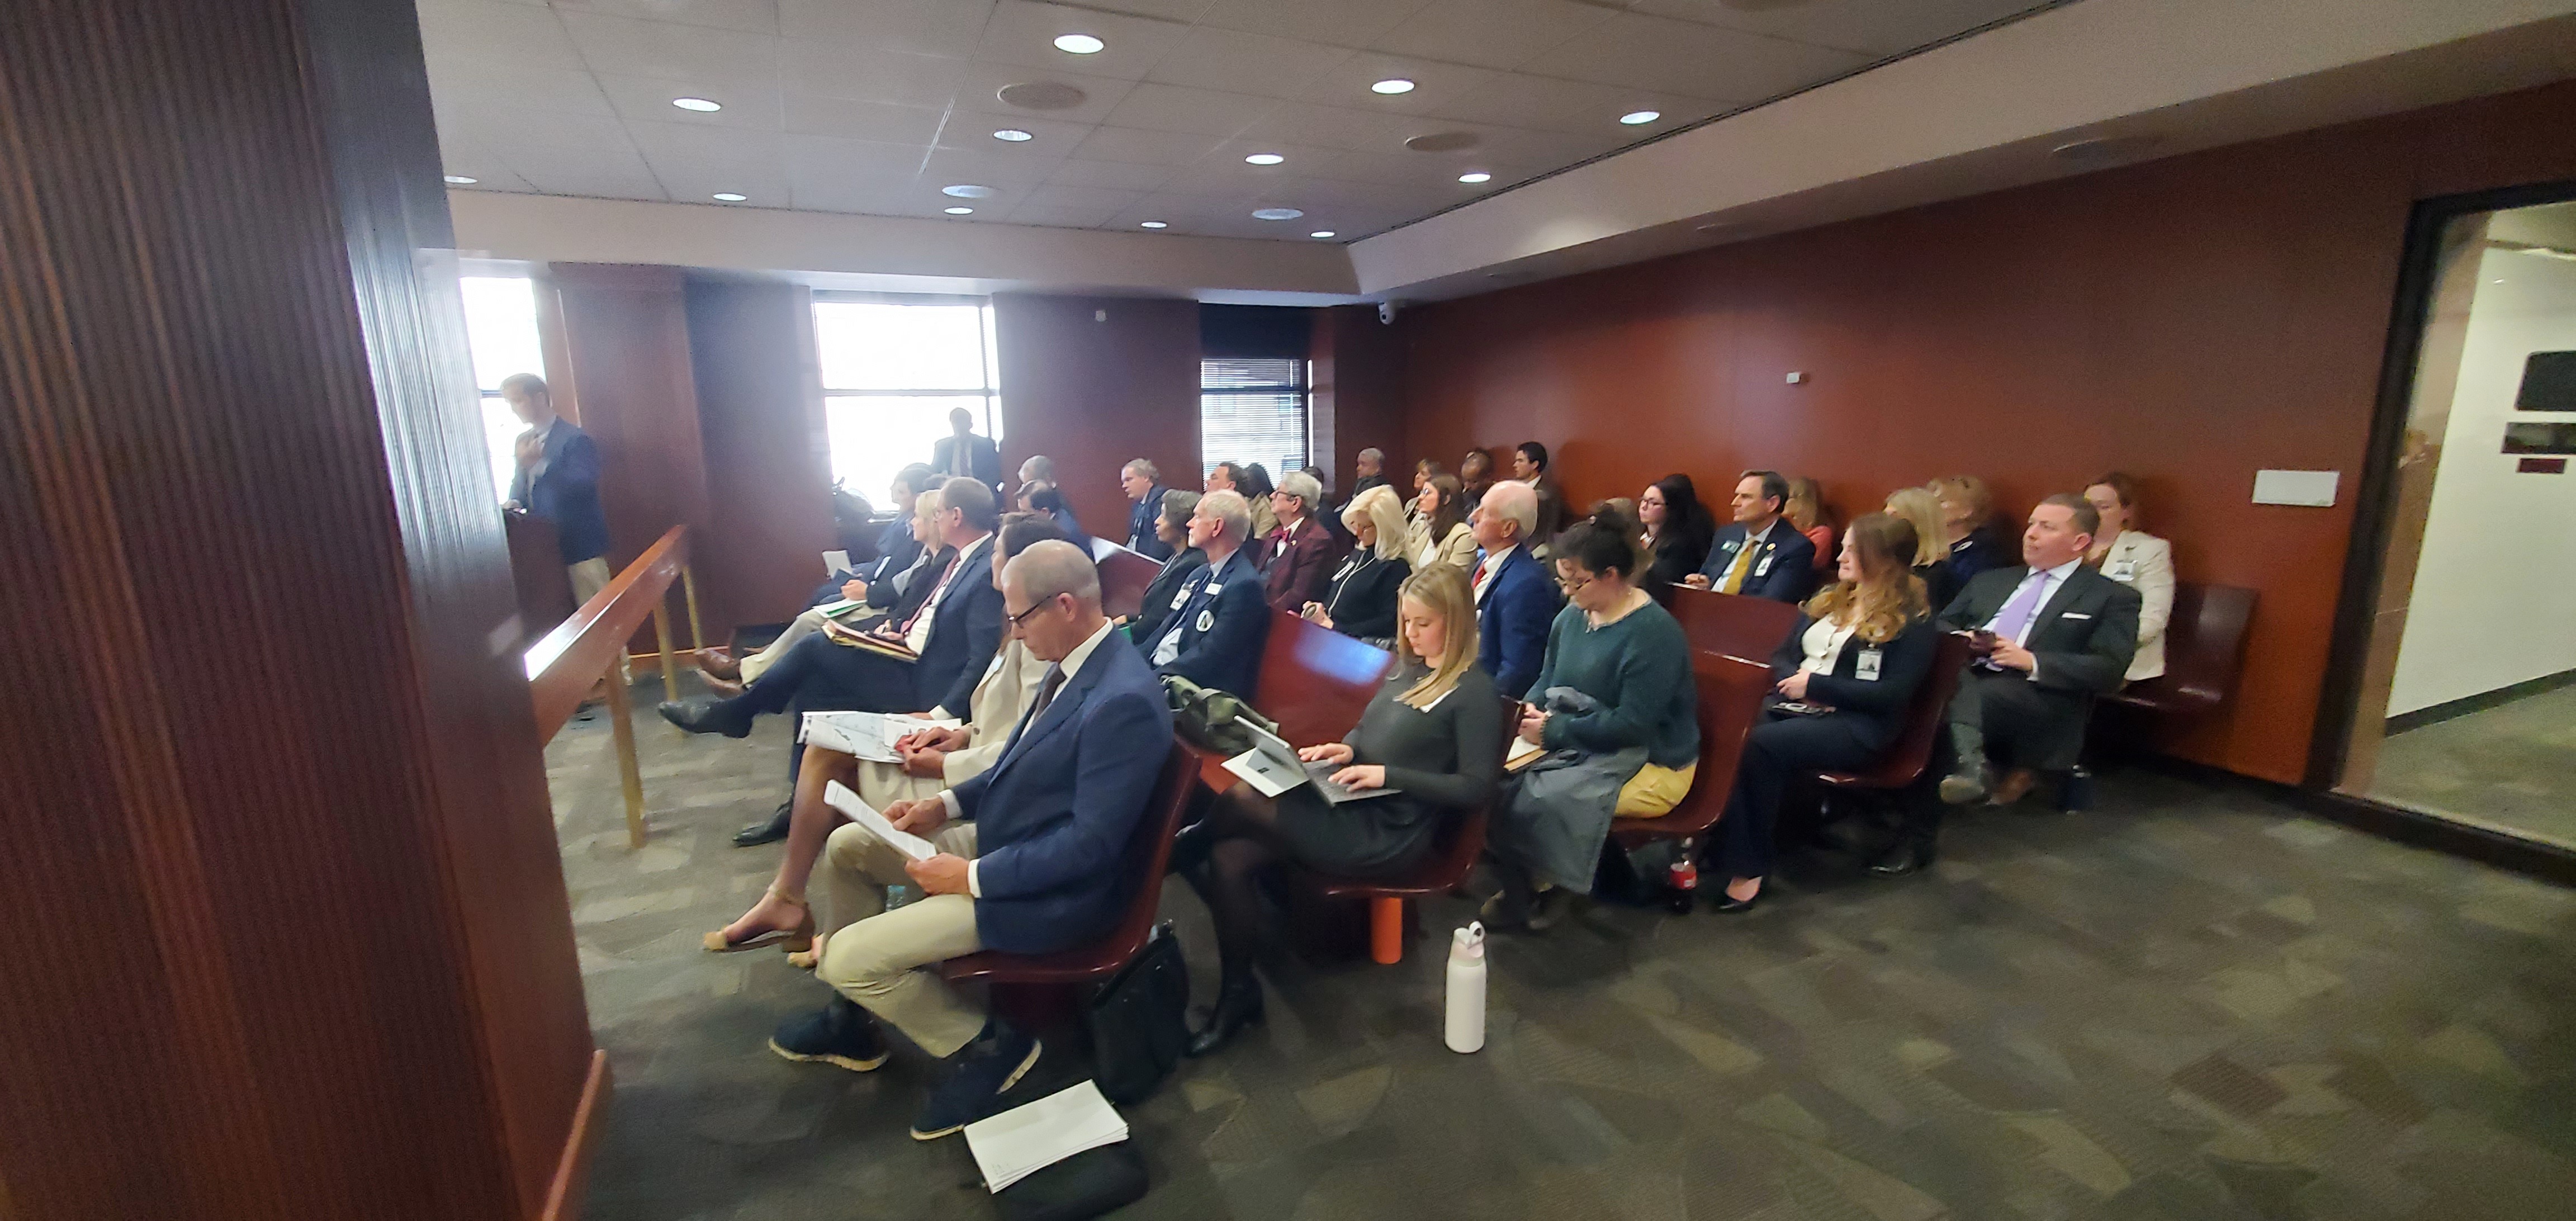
{"x": 1212, "y": 632}
{"x": 2061, "y": 634}
{"x": 1028, "y": 856}
{"x": 1756, "y": 555}
{"x": 963, "y": 452}
{"x": 558, "y": 481}
{"x": 1143, "y": 483}
{"x": 1516, "y": 598}
{"x": 1303, "y": 552}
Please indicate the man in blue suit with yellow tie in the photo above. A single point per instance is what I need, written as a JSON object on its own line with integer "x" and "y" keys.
{"x": 1028, "y": 856}
{"x": 1759, "y": 555}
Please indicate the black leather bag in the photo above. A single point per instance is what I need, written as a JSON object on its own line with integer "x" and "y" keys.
{"x": 1140, "y": 1021}
{"x": 1088, "y": 1184}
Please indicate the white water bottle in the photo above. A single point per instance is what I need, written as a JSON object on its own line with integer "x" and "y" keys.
{"x": 1466, "y": 1021}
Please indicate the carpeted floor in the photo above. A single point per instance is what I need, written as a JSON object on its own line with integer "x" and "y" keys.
{"x": 2512, "y": 766}
{"x": 2191, "y": 1003}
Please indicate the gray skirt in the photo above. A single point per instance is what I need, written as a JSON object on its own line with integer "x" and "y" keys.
{"x": 1555, "y": 814}
{"x": 1377, "y": 838}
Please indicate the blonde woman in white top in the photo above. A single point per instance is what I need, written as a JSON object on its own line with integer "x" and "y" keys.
{"x": 2138, "y": 560}
{"x": 1438, "y": 533}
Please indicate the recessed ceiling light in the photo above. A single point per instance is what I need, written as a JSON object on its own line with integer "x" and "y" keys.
{"x": 1393, "y": 84}
{"x": 1079, "y": 44}
{"x": 731, "y": 197}
{"x": 1151, "y": 224}
{"x": 1321, "y": 233}
{"x": 460, "y": 180}
{"x": 1276, "y": 214}
{"x": 967, "y": 190}
{"x": 701, "y": 105}
{"x": 1264, "y": 159}
{"x": 1639, "y": 118}
{"x": 1013, "y": 134}
{"x": 961, "y": 211}
{"x": 1475, "y": 176}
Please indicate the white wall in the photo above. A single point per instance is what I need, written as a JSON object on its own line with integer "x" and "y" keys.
{"x": 2495, "y": 593}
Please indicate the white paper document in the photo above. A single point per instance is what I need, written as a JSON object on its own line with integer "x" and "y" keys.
{"x": 1523, "y": 753}
{"x": 837, "y": 563}
{"x": 1033, "y": 1136}
{"x": 842, "y": 799}
{"x": 865, "y": 735}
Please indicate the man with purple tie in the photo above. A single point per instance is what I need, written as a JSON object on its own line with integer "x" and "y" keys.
{"x": 2049, "y": 636}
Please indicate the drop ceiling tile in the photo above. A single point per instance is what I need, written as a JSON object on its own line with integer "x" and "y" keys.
{"x": 502, "y": 35}
{"x": 673, "y": 52}
{"x": 817, "y": 116}
{"x": 1154, "y": 107}
{"x": 1183, "y": 11}
{"x": 1323, "y": 126}
{"x": 832, "y": 161}
{"x": 1066, "y": 195}
{"x": 1023, "y": 32}
{"x": 1130, "y": 175}
{"x": 839, "y": 70}
{"x": 957, "y": 165}
{"x": 571, "y": 168}
{"x": 1434, "y": 83}
{"x": 747, "y": 104}
{"x": 1490, "y": 33}
{"x": 1059, "y": 218}
{"x": 1246, "y": 63}
{"x": 1184, "y": 213}
{"x": 968, "y": 129}
{"x": 1301, "y": 159}
{"x": 758, "y": 16}
{"x": 979, "y": 87}
{"x": 1340, "y": 23}
{"x": 1129, "y": 144}
{"x": 875, "y": 194}
{"x": 1693, "y": 60}
{"x": 1514, "y": 99}
{"x": 485, "y": 169}
{"x": 1395, "y": 169}
{"x": 911, "y": 27}
{"x": 499, "y": 87}
{"x": 693, "y": 163}
{"x": 1856, "y": 25}
{"x": 495, "y": 126}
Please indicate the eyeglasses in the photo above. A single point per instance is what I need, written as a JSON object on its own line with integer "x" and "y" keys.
{"x": 1572, "y": 588}
{"x": 1042, "y": 604}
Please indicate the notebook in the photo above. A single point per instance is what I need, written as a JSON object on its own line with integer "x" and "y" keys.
{"x": 854, "y": 638}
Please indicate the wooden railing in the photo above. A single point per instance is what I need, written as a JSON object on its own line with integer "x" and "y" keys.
{"x": 591, "y": 646}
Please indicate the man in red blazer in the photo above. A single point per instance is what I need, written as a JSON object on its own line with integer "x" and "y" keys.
{"x": 1301, "y": 553}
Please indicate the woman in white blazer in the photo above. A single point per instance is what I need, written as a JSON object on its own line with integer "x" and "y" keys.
{"x": 2136, "y": 559}
{"x": 1438, "y": 533}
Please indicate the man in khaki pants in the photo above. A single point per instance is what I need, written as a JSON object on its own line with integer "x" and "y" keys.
{"x": 1028, "y": 858}
{"x": 558, "y": 481}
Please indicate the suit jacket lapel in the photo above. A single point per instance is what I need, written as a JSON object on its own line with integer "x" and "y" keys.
{"x": 2067, "y": 592}
{"x": 1067, "y": 704}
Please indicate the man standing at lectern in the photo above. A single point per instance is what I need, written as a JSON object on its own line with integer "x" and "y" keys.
{"x": 558, "y": 481}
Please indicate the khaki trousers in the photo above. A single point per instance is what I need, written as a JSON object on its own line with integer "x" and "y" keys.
{"x": 588, "y": 578}
{"x": 885, "y": 960}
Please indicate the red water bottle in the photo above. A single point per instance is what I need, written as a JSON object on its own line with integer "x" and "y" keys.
{"x": 1683, "y": 879}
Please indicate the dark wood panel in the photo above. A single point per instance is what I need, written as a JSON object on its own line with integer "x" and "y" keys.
{"x": 769, "y": 462}
{"x": 1093, "y": 382}
{"x": 2189, "y": 320}
{"x": 247, "y": 550}
{"x": 1359, "y": 391}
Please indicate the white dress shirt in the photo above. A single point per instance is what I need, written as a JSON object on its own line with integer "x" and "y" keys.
{"x": 2051, "y": 580}
{"x": 959, "y": 569}
{"x": 1071, "y": 665}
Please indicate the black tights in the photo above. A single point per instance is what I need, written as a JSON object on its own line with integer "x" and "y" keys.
{"x": 1244, "y": 852}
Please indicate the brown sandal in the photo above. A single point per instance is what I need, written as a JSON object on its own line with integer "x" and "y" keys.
{"x": 798, "y": 938}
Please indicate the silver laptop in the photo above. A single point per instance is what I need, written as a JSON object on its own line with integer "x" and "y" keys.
{"x": 1272, "y": 766}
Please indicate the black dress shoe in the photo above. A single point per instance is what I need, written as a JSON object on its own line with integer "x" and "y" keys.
{"x": 1238, "y": 1004}
{"x": 1901, "y": 860}
{"x": 769, "y": 830}
{"x": 706, "y": 714}
{"x": 1190, "y": 848}
{"x": 1729, "y": 905}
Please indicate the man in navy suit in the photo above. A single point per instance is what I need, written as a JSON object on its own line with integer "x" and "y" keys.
{"x": 1757, "y": 554}
{"x": 1516, "y": 599}
{"x": 1142, "y": 482}
{"x": 953, "y": 634}
{"x": 558, "y": 481}
{"x": 1212, "y": 631}
{"x": 1028, "y": 854}
{"x": 963, "y": 452}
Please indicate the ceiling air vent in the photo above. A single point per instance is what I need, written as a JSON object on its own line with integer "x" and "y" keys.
{"x": 1442, "y": 142}
{"x": 1042, "y": 95}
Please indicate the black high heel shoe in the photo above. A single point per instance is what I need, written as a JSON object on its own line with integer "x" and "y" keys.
{"x": 1238, "y": 1004}
{"x": 1728, "y": 905}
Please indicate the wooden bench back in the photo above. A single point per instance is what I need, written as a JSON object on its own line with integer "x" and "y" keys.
{"x": 1315, "y": 681}
{"x": 2204, "y": 649}
{"x": 1732, "y": 624}
{"x": 1123, "y": 577}
{"x": 1730, "y": 691}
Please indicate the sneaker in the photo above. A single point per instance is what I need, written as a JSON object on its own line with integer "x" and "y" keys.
{"x": 987, "y": 1068}
{"x": 1966, "y": 785}
{"x": 842, "y": 1034}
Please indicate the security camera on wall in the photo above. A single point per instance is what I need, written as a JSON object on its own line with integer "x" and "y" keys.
{"x": 1386, "y": 311}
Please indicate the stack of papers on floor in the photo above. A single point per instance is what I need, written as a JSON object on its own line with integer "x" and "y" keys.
{"x": 866, "y": 735}
{"x": 1026, "y": 1139}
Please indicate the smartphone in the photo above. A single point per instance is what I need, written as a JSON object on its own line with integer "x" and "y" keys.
{"x": 1981, "y": 643}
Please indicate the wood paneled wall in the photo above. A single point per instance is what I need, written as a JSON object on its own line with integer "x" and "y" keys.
{"x": 1359, "y": 391}
{"x": 769, "y": 460}
{"x": 1093, "y": 382}
{"x": 2188, "y": 320}
{"x": 292, "y": 934}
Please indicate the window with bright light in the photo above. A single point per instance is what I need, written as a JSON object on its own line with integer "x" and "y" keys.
{"x": 1252, "y": 409}
{"x": 501, "y": 329}
{"x": 893, "y": 368}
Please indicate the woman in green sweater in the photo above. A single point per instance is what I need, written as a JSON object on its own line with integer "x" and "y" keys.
{"x": 1614, "y": 707}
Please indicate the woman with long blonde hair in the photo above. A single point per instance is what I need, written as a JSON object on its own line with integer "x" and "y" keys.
{"x": 1847, "y": 674}
{"x": 1967, "y": 529}
{"x": 1920, "y": 509}
{"x": 1429, "y": 747}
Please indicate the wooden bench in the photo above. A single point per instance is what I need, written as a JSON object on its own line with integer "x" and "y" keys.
{"x": 1124, "y": 575}
{"x": 1899, "y": 772}
{"x": 2204, "y": 649}
{"x": 1732, "y": 624}
{"x": 1460, "y": 841}
{"x": 1730, "y": 691}
{"x": 1313, "y": 680}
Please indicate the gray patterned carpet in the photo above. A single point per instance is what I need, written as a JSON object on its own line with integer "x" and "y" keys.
{"x": 2191, "y": 1003}
{"x": 2512, "y": 767}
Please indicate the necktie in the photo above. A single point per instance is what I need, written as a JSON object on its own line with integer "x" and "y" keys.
{"x": 1478, "y": 580}
{"x": 933, "y": 599}
{"x": 1047, "y": 688}
{"x": 1734, "y": 583}
{"x": 2016, "y": 614}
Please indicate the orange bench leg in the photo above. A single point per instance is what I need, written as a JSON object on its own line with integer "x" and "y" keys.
{"x": 1386, "y": 929}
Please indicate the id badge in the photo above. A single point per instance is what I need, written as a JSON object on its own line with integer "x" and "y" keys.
{"x": 2124, "y": 572}
{"x": 1180, "y": 596}
{"x": 1763, "y": 569}
{"x": 1866, "y": 668}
